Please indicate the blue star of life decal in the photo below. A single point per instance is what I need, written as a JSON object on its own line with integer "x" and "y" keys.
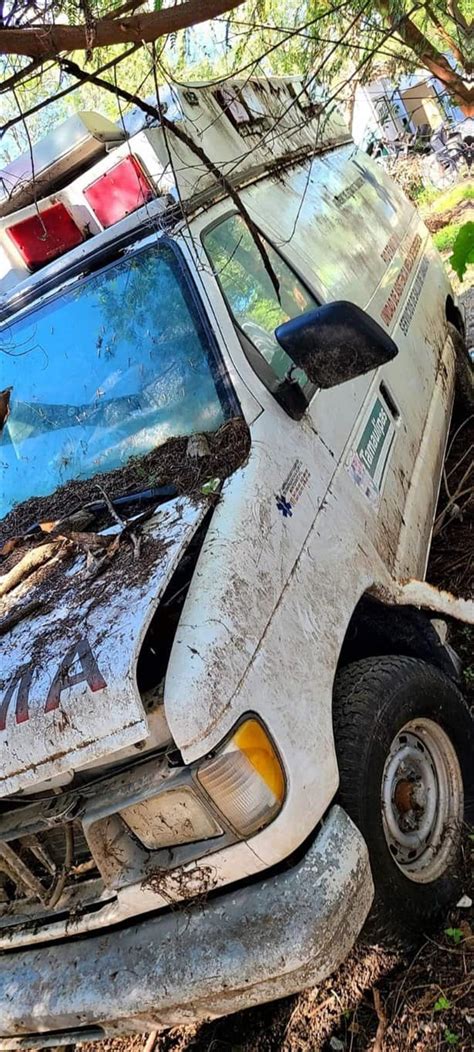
{"x": 284, "y": 506}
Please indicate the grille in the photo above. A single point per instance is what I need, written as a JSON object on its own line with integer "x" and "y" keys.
{"x": 45, "y": 867}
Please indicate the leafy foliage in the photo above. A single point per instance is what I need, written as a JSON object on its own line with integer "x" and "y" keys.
{"x": 454, "y": 933}
{"x": 441, "y": 1004}
{"x": 463, "y": 249}
{"x": 451, "y": 1038}
{"x": 445, "y": 238}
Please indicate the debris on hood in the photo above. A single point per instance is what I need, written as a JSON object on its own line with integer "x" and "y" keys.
{"x": 32, "y": 562}
{"x": 221, "y": 453}
{"x": 71, "y": 643}
{"x": 4, "y": 406}
{"x": 198, "y": 446}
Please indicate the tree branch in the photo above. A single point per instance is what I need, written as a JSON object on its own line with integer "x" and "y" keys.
{"x": 182, "y": 136}
{"x": 430, "y": 57}
{"x": 448, "y": 39}
{"x": 19, "y": 76}
{"x": 49, "y": 41}
{"x": 65, "y": 91}
{"x": 118, "y": 12}
{"x": 458, "y": 17}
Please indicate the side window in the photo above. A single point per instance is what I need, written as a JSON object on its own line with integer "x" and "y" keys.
{"x": 249, "y": 291}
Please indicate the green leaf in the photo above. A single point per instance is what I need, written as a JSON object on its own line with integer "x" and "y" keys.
{"x": 463, "y": 249}
{"x": 441, "y": 1004}
{"x": 451, "y": 1038}
{"x": 157, "y": 5}
{"x": 455, "y": 934}
{"x": 211, "y": 486}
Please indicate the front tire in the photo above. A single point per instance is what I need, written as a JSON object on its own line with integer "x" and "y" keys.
{"x": 405, "y": 740}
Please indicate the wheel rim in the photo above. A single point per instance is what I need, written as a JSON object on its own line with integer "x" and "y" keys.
{"x": 422, "y": 800}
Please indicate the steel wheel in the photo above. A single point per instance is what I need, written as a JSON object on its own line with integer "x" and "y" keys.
{"x": 422, "y": 799}
{"x": 405, "y": 742}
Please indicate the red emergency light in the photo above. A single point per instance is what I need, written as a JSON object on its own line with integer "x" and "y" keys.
{"x": 121, "y": 190}
{"x": 45, "y": 235}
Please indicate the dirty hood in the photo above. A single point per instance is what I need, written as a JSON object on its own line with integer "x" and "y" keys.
{"x": 68, "y": 691}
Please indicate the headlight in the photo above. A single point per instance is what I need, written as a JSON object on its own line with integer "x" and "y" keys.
{"x": 245, "y": 779}
{"x": 174, "y": 817}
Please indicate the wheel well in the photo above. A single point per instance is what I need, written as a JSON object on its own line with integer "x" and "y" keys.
{"x": 377, "y": 629}
{"x": 454, "y": 315}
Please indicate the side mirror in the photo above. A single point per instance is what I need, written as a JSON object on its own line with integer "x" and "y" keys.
{"x": 335, "y": 343}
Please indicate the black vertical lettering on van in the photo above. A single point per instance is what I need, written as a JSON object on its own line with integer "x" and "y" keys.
{"x": 89, "y": 673}
{"x": 19, "y": 685}
{"x": 349, "y": 191}
{"x": 414, "y": 296}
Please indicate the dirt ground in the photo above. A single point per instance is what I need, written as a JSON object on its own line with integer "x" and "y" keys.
{"x": 454, "y": 215}
{"x": 378, "y": 1001}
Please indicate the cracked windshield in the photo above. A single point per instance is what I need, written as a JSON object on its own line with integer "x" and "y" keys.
{"x": 108, "y": 370}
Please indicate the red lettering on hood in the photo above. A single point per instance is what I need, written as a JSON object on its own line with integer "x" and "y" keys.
{"x": 90, "y": 674}
{"x": 19, "y": 686}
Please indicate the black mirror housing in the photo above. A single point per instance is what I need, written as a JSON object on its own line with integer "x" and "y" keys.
{"x": 335, "y": 343}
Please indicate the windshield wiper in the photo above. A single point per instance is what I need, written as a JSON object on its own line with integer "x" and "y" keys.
{"x": 143, "y": 497}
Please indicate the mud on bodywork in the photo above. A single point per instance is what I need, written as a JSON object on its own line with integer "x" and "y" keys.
{"x": 303, "y": 922}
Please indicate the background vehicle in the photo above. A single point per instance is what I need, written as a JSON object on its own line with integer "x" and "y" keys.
{"x": 223, "y": 678}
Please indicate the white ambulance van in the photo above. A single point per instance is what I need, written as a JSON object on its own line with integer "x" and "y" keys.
{"x": 231, "y": 734}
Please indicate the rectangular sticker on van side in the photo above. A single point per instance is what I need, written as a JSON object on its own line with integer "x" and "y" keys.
{"x": 368, "y": 461}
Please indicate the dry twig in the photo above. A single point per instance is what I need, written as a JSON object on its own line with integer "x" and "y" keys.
{"x": 150, "y": 1041}
{"x": 383, "y": 1021}
{"x": 30, "y": 562}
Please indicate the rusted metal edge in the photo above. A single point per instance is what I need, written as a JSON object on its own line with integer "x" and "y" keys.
{"x": 427, "y": 596}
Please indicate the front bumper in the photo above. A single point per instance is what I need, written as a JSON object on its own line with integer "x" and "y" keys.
{"x": 253, "y": 944}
